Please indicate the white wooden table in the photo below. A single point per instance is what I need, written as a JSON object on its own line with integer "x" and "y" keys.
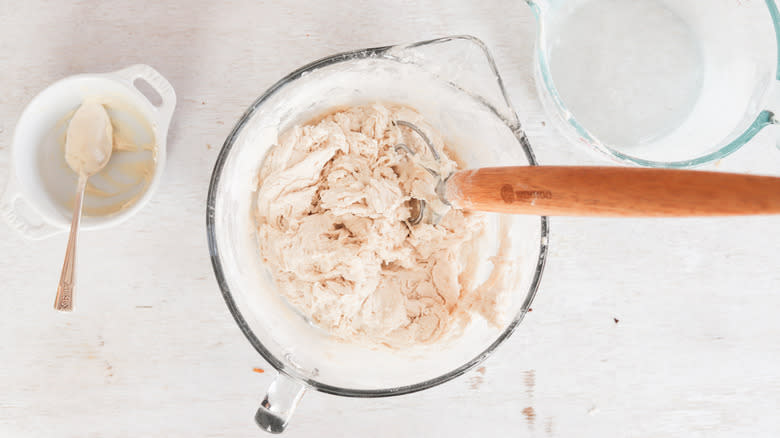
{"x": 641, "y": 328}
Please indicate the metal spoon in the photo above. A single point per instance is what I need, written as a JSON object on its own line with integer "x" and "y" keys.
{"x": 88, "y": 146}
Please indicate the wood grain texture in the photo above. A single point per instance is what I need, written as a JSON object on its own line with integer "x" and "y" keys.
{"x": 151, "y": 350}
{"x": 612, "y": 192}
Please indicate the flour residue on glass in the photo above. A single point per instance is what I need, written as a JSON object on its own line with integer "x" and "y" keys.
{"x": 124, "y": 179}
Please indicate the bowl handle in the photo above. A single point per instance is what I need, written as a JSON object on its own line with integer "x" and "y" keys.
{"x": 773, "y": 107}
{"x": 279, "y": 403}
{"x": 770, "y": 115}
{"x": 23, "y": 220}
{"x": 160, "y": 85}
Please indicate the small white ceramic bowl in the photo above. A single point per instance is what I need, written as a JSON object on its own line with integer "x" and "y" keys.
{"x": 38, "y": 197}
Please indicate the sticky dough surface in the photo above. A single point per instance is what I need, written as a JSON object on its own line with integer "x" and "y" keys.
{"x": 332, "y": 226}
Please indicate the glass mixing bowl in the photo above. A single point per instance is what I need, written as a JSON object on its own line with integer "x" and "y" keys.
{"x": 454, "y": 84}
{"x": 661, "y": 83}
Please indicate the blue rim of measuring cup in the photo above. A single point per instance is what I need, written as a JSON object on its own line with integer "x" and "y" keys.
{"x": 763, "y": 119}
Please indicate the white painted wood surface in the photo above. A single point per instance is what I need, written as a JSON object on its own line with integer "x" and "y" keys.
{"x": 641, "y": 328}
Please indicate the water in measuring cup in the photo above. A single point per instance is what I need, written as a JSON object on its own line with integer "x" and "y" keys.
{"x": 629, "y": 71}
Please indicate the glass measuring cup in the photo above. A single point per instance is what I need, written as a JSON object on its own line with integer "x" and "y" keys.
{"x": 454, "y": 84}
{"x": 661, "y": 83}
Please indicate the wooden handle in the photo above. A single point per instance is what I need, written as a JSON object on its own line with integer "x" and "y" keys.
{"x": 612, "y": 191}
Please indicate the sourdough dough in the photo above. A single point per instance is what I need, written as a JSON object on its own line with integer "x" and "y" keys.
{"x": 332, "y": 225}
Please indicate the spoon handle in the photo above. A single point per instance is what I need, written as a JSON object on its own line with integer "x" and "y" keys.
{"x": 612, "y": 191}
{"x": 64, "y": 299}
